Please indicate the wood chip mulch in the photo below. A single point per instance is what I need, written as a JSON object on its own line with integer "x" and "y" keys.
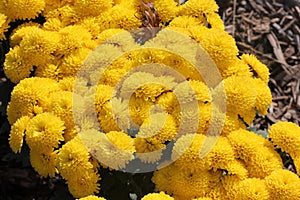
{"x": 270, "y": 29}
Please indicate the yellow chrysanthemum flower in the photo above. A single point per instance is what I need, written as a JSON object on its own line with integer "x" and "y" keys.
{"x": 19, "y": 9}
{"x": 71, "y": 64}
{"x": 73, "y": 158}
{"x": 240, "y": 97}
{"x": 91, "y": 8}
{"x": 186, "y": 152}
{"x": 4, "y": 25}
{"x": 252, "y": 189}
{"x": 158, "y": 129}
{"x": 259, "y": 69}
{"x": 16, "y": 67}
{"x": 84, "y": 183}
{"x": 92, "y": 197}
{"x": 49, "y": 71}
{"x": 18, "y": 33}
{"x": 43, "y": 161}
{"x": 198, "y": 7}
{"x": 220, "y": 46}
{"x": 232, "y": 123}
{"x": 104, "y": 94}
{"x": 30, "y": 97}
{"x": 263, "y": 96}
{"x": 38, "y": 46}
{"x": 17, "y": 133}
{"x": 114, "y": 149}
{"x": 167, "y": 10}
{"x": 44, "y": 132}
{"x": 215, "y": 21}
{"x": 190, "y": 184}
{"x": 157, "y": 196}
{"x": 220, "y": 155}
{"x": 236, "y": 68}
{"x": 286, "y": 136}
{"x": 283, "y": 184}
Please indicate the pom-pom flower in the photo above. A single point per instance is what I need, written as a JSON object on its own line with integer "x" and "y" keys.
{"x": 30, "y": 102}
{"x": 44, "y": 132}
{"x": 19, "y": 9}
{"x": 43, "y": 161}
{"x": 283, "y": 184}
{"x": 17, "y": 133}
{"x": 114, "y": 149}
{"x": 157, "y": 196}
{"x": 92, "y": 197}
{"x": 286, "y": 136}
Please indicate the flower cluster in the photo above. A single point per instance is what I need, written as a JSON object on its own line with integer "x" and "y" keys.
{"x": 87, "y": 61}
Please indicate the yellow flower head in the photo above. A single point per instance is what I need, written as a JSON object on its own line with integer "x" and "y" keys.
{"x": 198, "y": 7}
{"x": 103, "y": 95}
{"x": 4, "y": 25}
{"x": 232, "y": 123}
{"x": 263, "y": 97}
{"x": 92, "y": 197}
{"x": 286, "y": 136}
{"x": 84, "y": 183}
{"x": 73, "y": 158}
{"x": 30, "y": 97}
{"x": 186, "y": 152}
{"x": 184, "y": 22}
{"x": 220, "y": 155}
{"x": 155, "y": 131}
{"x": 215, "y": 21}
{"x": 252, "y": 189}
{"x": 44, "y": 132}
{"x": 114, "y": 149}
{"x": 43, "y": 161}
{"x": 236, "y": 68}
{"x": 283, "y": 184}
{"x": 19, "y": 9}
{"x": 91, "y": 8}
{"x": 17, "y": 133}
{"x": 259, "y": 69}
{"x": 157, "y": 196}
{"x": 139, "y": 109}
{"x": 38, "y": 46}
{"x": 18, "y": 33}
{"x": 240, "y": 97}
{"x": 16, "y": 67}
{"x": 166, "y": 10}
{"x": 220, "y": 46}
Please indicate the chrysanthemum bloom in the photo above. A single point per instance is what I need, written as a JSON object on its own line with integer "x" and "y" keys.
{"x": 44, "y": 132}
{"x": 38, "y": 46}
{"x": 283, "y": 184}
{"x": 259, "y": 69}
{"x": 240, "y": 97}
{"x": 198, "y": 8}
{"x": 236, "y": 68}
{"x": 59, "y": 17}
{"x": 166, "y": 10}
{"x": 71, "y": 64}
{"x": 103, "y": 95}
{"x": 286, "y": 136}
{"x": 30, "y": 97}
{"x": 84, "y": 183}
{"x": 19, "y": 32}
{"x": 16, "y": 67}
{"x": 157, "y": 196}
{"x": 91, "y": 8}
{"x": 43, "y": 161}
{"x": 186, "y": 152}
{"x": 259, "y": 156}
{"x": 263, "y": 96}
{"x": 19, "y": 9}
{"x": 183, "y": 183}
{"x": 156, "y": 130}
{"x": 92, "y": 197}
{"x": 17, "y": 133}
{"x": 3, "y": 25}
{"x": 73, "y": 158}
{"x": 252, "y": 189}
{"x": 114, "y": 149}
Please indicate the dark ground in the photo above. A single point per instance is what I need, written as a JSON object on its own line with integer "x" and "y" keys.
{"x": 269, "y": 29}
